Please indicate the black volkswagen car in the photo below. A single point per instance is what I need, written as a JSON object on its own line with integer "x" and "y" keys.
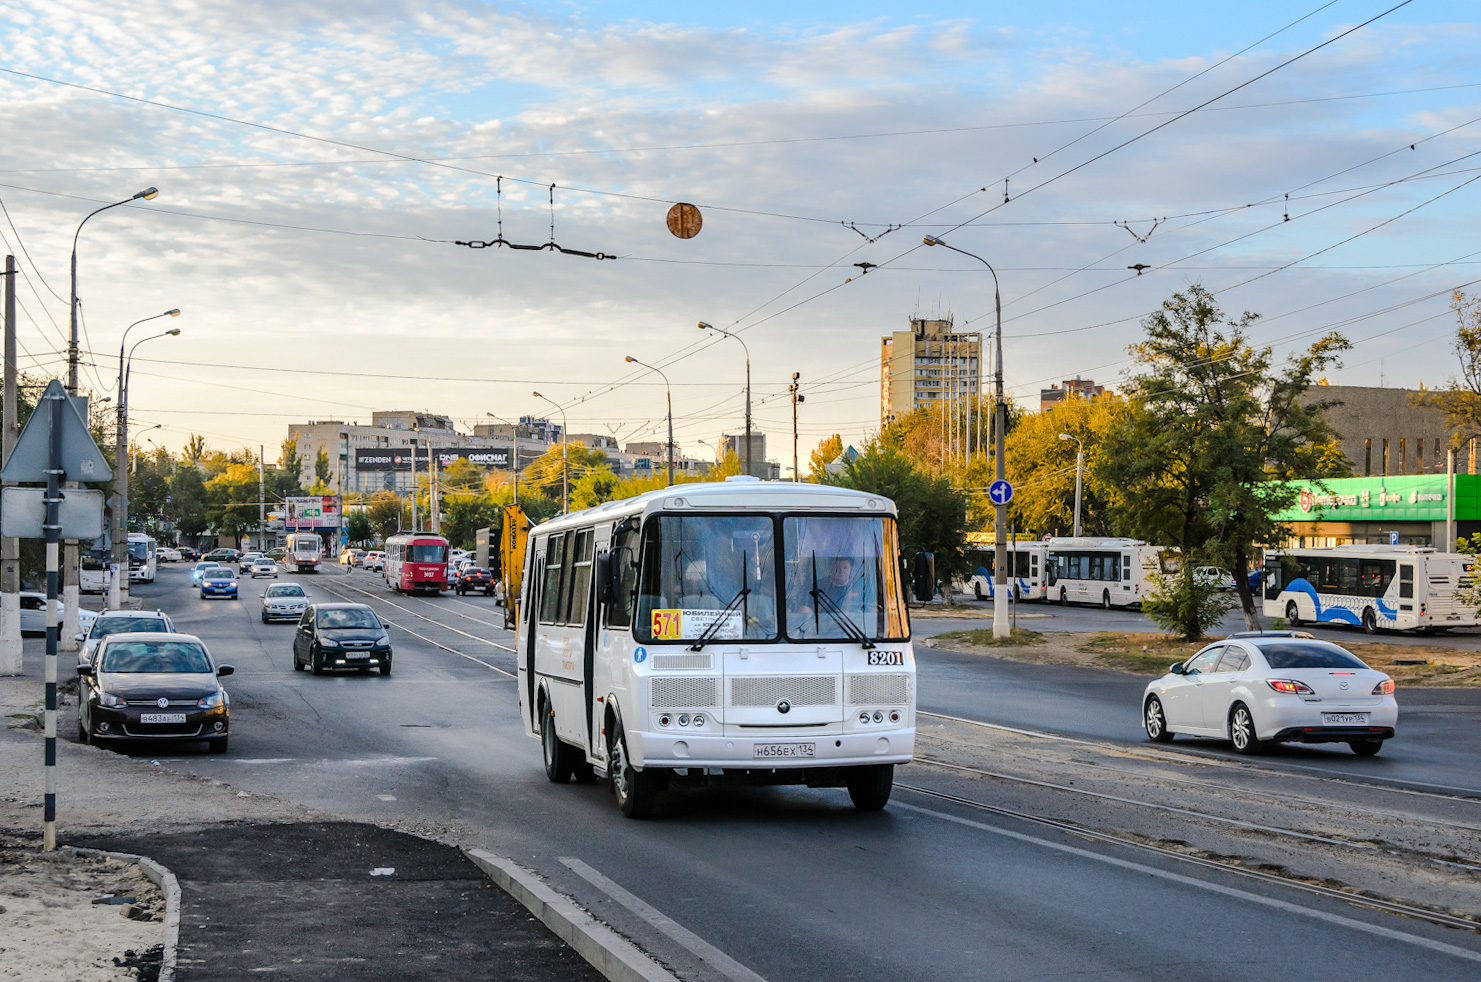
{"x": 334, "y": 637}
{"x": 153, "y": 686}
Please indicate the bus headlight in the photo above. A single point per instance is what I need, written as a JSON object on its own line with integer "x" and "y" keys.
{"x": 699, "y": 719}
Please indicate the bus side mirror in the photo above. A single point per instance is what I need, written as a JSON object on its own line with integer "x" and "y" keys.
{"x": 924, "y": 579}
{"x": 605, "y": 587}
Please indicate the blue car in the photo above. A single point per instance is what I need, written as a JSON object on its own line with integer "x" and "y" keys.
{"x": 218, "y": 582}
{"x": 200, "y": 569}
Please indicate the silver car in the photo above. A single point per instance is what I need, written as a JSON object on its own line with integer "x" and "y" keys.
{"x": 264, "y": 567}
{"x": 283, "y": 601}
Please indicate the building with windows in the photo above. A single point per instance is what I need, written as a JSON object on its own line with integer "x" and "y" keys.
{"x": 1082, "y": 387}
{"x": 1386, "y": 431}
{"x": 927, "y": 366}
{"x": 735, "y": 443}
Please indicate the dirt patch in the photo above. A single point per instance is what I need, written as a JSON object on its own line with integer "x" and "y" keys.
{"x": 48, "y": 901}
{"x": 1151, "y": 654}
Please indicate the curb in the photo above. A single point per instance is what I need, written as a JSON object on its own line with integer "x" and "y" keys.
{"x": 166, "y": 881}
{"x": 618, "y": 959}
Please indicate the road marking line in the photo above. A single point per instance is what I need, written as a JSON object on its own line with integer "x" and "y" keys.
{"x": 445, "y": 627}
{"x": 1283, "y": 905}
{"x": 664, "y": 924}
{"x": 386, "y": 797}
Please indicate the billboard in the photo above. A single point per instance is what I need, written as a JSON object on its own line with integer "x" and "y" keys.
{"x": 308, "y": 514}
{"x": 399, "y": 458}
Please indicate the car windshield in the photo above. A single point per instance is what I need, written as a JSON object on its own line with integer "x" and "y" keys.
{"x": 262, "y": 561}
{"x": 842, "y": 581}
{"x": 347, "y": 617}
{"x": 707, "y": 576}
{"x": 469, "y": 571}
{"x": 426, "y": 554}
{"x": 205, "y": 566}
{"x": 1309, "y": 656}
{"x": 220, "y": 573}
{"x": 155, "y": 656}
{"x": 105, "y": 626}
{"x": 285, "y": 590}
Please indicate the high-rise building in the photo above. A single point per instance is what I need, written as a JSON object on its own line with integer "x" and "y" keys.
{"x": 735, "y": 443}
{"x": 927, "y": 366}
{"x": 1083, "y": 387}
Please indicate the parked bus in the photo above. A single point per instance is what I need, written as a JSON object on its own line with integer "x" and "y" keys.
{"x": 416, "y": 561}
{"x": 741, "y": 632}
{"x": 1399, "y": 588}
{"x": 142, "y": 557}
{"x": 1028, "y": 565}
{"x": 1107, "y": 571}
{"x": 304, "y": 552}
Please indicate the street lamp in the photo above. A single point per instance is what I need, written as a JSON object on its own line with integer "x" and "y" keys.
{"x": 1000, "y": 625}
{"x": 514, "y": 457}
{"x": 669, "y": 394}
{"x": 1079, "y": 474}
{"x": 565, "y": 455}
{"x": 148, "y": 194}
{"x": 121, "y": 477}
{"x": 704, "y": 326}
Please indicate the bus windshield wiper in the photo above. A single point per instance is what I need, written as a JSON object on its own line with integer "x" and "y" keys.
{"x": 822, "y": 601}
{"x": 721, "y": 618}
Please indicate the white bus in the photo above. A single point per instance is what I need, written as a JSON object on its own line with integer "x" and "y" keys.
{"x": 742, "y": 632}
{"x": 1107, "y": 571}
{"x": 1400, "y": 588}
{"x": 1028, "y": 566}
{"x": 142, "y": 558}
{"x": 303, "y": 552}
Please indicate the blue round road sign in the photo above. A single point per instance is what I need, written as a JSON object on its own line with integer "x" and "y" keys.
{"x": 1000, "y": 491}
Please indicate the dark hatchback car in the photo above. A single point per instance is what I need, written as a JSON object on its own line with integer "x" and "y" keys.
{"x": 153, "y": 686}
{"x": 338, "y": 637}
{"x": 474, "y": 578}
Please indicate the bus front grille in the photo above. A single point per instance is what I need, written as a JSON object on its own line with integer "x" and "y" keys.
{"x": 799, "y": 690}
{"x": 670, "y": 663}
{"x": 685, "y": 693}
{"x": 878, "y": 690}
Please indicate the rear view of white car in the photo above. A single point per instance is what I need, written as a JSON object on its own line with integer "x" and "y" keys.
{"x": 1276, "y": 687}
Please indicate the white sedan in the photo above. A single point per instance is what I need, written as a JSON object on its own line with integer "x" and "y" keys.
{"x": 33, "y": 614}
{"x": 1273, "y": 687}
{"x": 262, "y": 566}
{"x": 283, "y": 601}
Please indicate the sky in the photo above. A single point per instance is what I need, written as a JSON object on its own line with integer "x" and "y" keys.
{"x": 317, "y": 164}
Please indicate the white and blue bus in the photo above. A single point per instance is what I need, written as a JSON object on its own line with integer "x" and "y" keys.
{"x": 143, "y": 557}
{"x": 1107, "y": 571}
{"x": 1028, "y": 568}
{"x": 745, "y": 631}
{"x": 1396, "y": 588}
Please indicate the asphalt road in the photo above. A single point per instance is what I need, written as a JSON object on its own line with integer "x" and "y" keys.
{"x": 792, "y": 884}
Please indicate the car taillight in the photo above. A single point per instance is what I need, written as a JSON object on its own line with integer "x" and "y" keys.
{"x": 1290, "y": 685}
{"x": 1384, "y": 688}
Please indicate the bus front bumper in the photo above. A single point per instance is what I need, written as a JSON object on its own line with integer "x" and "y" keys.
{"x": 773, "y": 752}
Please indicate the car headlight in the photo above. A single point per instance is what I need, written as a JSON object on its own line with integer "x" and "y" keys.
{"x": 328, "y": 643}
{"x": 111, "y": 701}
{"x": 211, "y": 701}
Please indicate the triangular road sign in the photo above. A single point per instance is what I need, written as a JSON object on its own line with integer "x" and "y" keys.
{"x": 81, "y": 458}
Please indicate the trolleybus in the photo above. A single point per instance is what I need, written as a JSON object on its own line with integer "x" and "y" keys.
{"x": 740, "y": 632}
{"x": 142, "y": 557}
{"x": 1028, "y": 568}
{"x": 416, "y": 561}
{"x": 303, "y": 553}
{"x": 1107, "y": 571}
{"x": 1399, "y": 588}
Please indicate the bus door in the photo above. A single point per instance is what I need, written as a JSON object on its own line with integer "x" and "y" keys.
{"x": 616, "y": 592}
{"x": 530, "y": 610}
{"x": 1128, "y": 595}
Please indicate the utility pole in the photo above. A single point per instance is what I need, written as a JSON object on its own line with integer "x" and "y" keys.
{"x": 261, "y": 502}
{"x": 433, "y": 505}
{"x": 796, "y": 398}
{"x": 10, "y": 549}
{"x": 414, "y": 515}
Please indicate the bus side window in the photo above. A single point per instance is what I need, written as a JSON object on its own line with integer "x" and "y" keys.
{"x": 577, "y": 587}
{"x": 1126, "y": 568}
{"x": 550, "y": 594}
{"x": 1273, "y": 582}
{"x": 1406, "y": 581}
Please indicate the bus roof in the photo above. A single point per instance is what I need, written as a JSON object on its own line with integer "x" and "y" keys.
{"x": 1094, "y": 542}
{"x": 733, "y": 492}
{"x": 1352, "y": 548}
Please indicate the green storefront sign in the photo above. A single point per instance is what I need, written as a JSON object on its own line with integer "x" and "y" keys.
{"x": 1408, "y": 498}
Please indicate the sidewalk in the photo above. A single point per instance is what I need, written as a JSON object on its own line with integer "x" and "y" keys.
{"x": 270, "y": 889}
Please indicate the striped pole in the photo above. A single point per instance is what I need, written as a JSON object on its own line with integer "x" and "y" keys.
{"x": 52, "y": 528}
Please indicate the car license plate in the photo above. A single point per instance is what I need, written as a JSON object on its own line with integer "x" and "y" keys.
{"x": 357, "y": 654}
{"x": 161, "y": 717}
{"x": 785, "y": 750}
{"x": 886, "y": 657}
{"x": 1345, "y": 719}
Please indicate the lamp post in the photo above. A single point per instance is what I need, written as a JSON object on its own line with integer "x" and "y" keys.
{"x": 120, "y": 455}
{"x": 1000, "y": 626}
{"x": 565, "y": 455}
{"x": 704, "y": 326}
{"x": 148, "y": 194}
{"x": 1079, "y": 474}
{"x": 514, "y": 455}
{"x": 670, "y": 396}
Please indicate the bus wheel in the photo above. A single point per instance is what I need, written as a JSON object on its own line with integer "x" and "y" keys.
{"x": 869, "y": 786}
{"x": 1063, "y": 596}
{"x": 1105, "y": 599}
{"x": 977, "y": 590}
{"x": 1293, "y": 614}
{"x": 559, "y": 765}
{"x": 1370, "y": 621}
{"x": 636, "y": 791}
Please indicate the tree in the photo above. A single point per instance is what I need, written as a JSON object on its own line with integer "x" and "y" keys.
{"x": 357, "y": 527}
{"x": 933, "y": 515}
{"x": 195, "y": 448}
{"x": 1461, "y": 403}
{"x": 1041, "y": 468}
{"x": 322, "y": 470}
{"x": 188, "y": 501}
{"x": 463, "y": 514}
{"x": 543, "y": 474}
{"x": 593, "y": 488}
{"x": 387, "y": 514}
{"x": 288, "y": 481}
{"x": 232, "y": 503}
{"x": 827, "y": 451}
{"x": 1210, "y": 432}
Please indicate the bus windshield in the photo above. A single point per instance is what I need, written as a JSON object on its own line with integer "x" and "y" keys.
{"x": 139, "y": 550}
{"x": 426, "y": 554}
{"x": 303, "y": 547}
{"x": 708, "y": 576}
{"x": 842, "y": 582}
